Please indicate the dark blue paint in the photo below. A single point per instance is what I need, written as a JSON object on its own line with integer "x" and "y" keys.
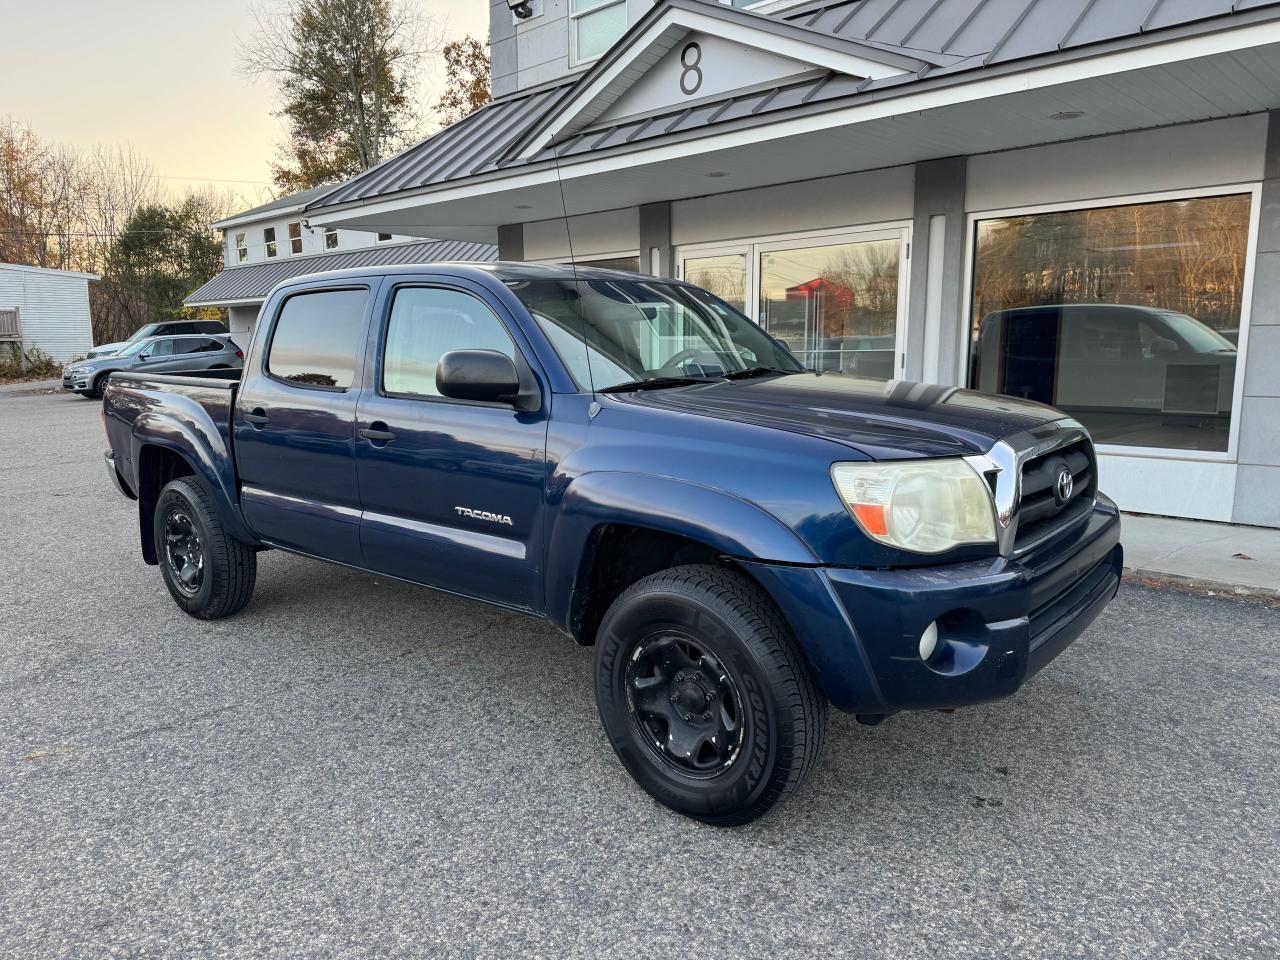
{"x": 742, "y": 467}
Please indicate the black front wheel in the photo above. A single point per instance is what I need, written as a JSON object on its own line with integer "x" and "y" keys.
{"x": 209, "y": 573}
{"x": 705, "y": 696}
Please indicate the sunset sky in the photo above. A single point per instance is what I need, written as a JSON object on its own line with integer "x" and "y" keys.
{"x": 162, "y": 76}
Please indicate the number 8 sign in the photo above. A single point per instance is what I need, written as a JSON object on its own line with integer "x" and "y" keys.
{"x": 691, "y": 75}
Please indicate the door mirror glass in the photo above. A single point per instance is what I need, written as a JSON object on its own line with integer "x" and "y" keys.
{"x": 487, "y": 376}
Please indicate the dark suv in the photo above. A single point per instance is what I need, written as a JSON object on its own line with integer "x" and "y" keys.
{"x": 167, "y": 328}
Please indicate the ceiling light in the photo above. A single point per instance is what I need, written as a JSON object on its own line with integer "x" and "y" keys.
{"x": 523, "y": 206}
{"x": 1067, "y": 115}
{"x": 717, "y": 173}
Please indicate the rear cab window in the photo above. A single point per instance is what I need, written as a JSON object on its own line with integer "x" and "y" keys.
{"x": 317, "y": 338}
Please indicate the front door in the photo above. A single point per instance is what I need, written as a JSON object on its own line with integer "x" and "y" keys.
{"x": 294, "y": 426}
{"x": 451, "y": 491}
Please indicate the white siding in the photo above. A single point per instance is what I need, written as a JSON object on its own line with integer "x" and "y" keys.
{"x": 312, "y": 240}
{"x": 54, "y": 309}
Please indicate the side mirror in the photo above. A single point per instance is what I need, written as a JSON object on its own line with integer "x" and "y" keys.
{"x": 143, "y": 356}
{"x": 487, "y": 376}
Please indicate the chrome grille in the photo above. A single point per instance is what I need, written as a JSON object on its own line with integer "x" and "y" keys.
{"x": 1023, "y": 471}
{"x": 1042, "y": 510}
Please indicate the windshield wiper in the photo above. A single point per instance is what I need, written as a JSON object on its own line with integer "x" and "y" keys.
{"x": 655, "y": 383}
{"x": 750, "y": 372}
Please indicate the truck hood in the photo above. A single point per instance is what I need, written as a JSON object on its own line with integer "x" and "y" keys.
{"x": 884, "y": 419}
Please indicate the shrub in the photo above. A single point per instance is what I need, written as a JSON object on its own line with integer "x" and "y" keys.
{"x": 38, "y": 365}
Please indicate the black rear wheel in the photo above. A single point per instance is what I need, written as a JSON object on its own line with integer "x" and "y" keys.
{"x": 705, "y": 696}
{"x": 209, "y": 573}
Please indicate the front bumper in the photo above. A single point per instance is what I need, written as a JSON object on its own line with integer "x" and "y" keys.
{"x": 77, "y": 384}
{"x": 1000, "y": 620}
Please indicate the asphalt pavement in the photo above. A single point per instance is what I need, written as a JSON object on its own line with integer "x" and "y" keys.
{"x": 358, "y": 768}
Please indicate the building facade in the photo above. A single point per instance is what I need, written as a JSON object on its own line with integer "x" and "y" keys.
{"x": 45, "y": 310}
{"x": 1076, "y": 202}
{"x": 274, "y": 242}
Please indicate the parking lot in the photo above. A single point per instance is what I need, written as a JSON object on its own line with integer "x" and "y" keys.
{"x": 355, "y": 767}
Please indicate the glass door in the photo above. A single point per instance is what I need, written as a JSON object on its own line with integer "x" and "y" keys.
{"x": 836, "y": 302}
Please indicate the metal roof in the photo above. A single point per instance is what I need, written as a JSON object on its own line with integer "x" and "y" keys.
{"x": 470, "y": 146}
{"x": 986, "y": 32}
{"x": 254, "y": 281}
{"x": 948, "y": 38}
{"x": 294, "y": 201}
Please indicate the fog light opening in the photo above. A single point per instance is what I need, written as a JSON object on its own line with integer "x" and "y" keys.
{"x": 929, "y": 642}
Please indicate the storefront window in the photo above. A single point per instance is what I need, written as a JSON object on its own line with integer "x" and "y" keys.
{"x": 1126, "y": 317}
{"x": 836, "y": 305}
{"x": 725, "y": 276}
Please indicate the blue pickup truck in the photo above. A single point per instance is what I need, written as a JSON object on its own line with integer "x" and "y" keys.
{"x": 635, "y": 462}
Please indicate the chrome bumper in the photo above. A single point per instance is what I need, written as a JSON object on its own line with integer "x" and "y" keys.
{"x": 110, "y": 459}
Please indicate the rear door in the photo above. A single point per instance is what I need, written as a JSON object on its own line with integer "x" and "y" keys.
{"x": 451, "y": 491}
{"x": 294, "y": 422}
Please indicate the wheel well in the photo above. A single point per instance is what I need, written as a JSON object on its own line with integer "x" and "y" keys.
{"x": 619, "y": 555}
{"x": 156, "y": 467}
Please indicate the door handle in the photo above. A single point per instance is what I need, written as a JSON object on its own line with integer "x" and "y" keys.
{"x": 257, "y": 417}
{"x": 376, "y": 433}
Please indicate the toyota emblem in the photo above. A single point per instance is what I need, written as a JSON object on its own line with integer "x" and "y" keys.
{"x": 1065, "y": 485}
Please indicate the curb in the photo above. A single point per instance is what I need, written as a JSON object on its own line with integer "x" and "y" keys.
{"x": 1200, "y": 585}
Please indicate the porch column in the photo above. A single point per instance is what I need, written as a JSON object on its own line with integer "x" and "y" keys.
{"x": 1258, "y": 476}
{"x": 511, "y": 241}
{"x": 655, "y": 235}
{"x": 935, "y": 338}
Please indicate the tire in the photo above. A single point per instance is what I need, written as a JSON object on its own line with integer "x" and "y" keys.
{"x": 95, "y": 389}
{"x": 209, "y": 573}
{"x": 705, "y": 634}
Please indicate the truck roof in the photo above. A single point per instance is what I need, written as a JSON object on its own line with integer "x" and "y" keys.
{"x": 503, "y": 270}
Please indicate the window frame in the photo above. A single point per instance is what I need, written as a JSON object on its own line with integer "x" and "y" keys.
{"x": 1252, "y": 188}
{"x": 242, "y": 247}
{"x": 523, "y": 365}
{"x": 269, "y": 245}
{"x": 331, "y": 233}
{"x": 360, "y": 341}
{"x": 573, "y": 17}
{"x": 295, "y": 238}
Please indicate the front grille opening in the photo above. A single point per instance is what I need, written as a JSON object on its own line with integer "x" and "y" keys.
{"x": 1043, "y": 511}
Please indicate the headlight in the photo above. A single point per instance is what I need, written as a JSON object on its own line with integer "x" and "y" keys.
{"x": 925, "y": 506}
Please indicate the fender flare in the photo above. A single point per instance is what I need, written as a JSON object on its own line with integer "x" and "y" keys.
{"x": 726, "y": 523}
{"x": 194, "y": 438}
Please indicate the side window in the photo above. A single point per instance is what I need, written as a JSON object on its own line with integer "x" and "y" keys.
{"x": 206, "y": 346}
{"x": 161, "y": 348}
{"x": 425, "y": 324}
{"x": 316, "y": 341}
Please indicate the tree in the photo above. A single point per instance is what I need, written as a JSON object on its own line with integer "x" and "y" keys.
{"x": 346, "y": 70}
{"x": 41, "y": 190}
{"x": 466, "y": 79}
{"x": 163, "y": 253}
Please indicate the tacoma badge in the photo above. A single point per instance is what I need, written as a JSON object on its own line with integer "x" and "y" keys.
{"x": 484, "y": 515}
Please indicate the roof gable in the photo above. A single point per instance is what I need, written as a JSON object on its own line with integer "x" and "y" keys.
{"x": 683, "y": 52}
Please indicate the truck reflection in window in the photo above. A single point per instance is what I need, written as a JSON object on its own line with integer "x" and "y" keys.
{"x": 1134, "y": 376}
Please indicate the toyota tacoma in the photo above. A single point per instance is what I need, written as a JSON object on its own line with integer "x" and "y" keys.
{"x": 633, "y": 461}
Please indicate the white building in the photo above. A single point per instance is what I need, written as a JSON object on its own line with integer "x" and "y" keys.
{"x": 46, "y": 310}
{"x": 1072, "y": 200}
{"x": 275, "y": 242}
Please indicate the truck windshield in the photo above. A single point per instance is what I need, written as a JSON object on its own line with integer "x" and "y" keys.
{"x": 646, "y": 330}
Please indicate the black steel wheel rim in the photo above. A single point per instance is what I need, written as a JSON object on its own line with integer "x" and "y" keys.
{"x": 684, "y": 704}
{"x": 183, "y": 550}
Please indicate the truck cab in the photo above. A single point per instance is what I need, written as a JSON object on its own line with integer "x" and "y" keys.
{"x": 742, "y": 540}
